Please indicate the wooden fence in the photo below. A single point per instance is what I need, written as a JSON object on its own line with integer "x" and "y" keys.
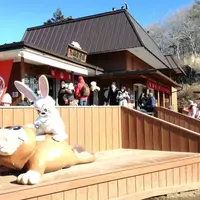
{"x": 106, "y": 128}
{"x": 146, "y": 132}
{"x": 95, "y": 128}
{"x": 178, "y": 119}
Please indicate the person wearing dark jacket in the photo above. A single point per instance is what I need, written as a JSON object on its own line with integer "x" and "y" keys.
{"x": 69, "y": 94}
{"x": 112, "y": 95}
{"x": 24, "y": 102}
{"x": 151, "y": 103}
{"x": 61, "y": 94}
{"x": 94, "y": 94}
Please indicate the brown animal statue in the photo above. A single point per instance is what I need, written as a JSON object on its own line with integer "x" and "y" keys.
{"x": 19, "y": 150}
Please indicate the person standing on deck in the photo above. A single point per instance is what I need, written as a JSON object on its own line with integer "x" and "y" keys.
{"x": 123, "y": 97}
{"x": 94, "y": 95}
{"x": 193, "y": 110}
{"x": 151, "y": 103}
{"x": 82, "y": 91}
{"x": 112, "y": 95}
{"x": 6, "y": 100}
{"x": 61, "y": 94}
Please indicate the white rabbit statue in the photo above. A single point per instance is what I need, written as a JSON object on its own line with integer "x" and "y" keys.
{"x": 49, "y": 119}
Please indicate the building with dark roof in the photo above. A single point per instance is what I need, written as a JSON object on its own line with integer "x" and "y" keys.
{"x": 31, "y": 61}
{"x": 97, "y": 34}
{"x": 114, "y": 42}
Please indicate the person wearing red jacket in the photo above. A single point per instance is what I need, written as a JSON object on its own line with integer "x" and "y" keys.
{"x": 83, "y": 98}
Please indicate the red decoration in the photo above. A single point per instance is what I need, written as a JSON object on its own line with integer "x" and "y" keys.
{"x": 60, "y": 75}
{"x": 196, "y": 99}
{"x": 155, "y": 86}
{"x": 5, "y": 70}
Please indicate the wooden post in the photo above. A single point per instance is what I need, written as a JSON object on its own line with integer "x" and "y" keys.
{"x": 22, "y": 67}
{"x": 22, "y": 73}
{"x": 118, "y": 83}
{"x": 158, "y": 100}
{"x": 164, "y": 104}
{"x": 174, "y": 102}
{"x": 72, "y": 77}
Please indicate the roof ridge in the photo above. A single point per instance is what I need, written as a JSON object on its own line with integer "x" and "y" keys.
{"x": 171, "y": 67}
{"x": 145, "y": 31}
{"x": 77, "y": 19}
{"x": 132, "y": 25}
{"x": 12, "y": 44}
{"x": 177, "y": 64}
{"x": 139, "y": 37}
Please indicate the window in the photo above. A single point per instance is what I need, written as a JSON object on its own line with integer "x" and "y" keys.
{"x": 32, "y": 83}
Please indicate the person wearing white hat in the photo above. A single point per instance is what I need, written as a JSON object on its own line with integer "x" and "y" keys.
{"x": 193, "y": 110}
{"x": 94, "y": 95}
{"x": 69, "y": 94}
{"x": 6, "y": 100}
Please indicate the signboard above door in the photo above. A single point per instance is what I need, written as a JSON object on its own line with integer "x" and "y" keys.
{"x": 158, "y": 87}
{"x": 76, "y": 53}
{"x": 60, "y": 75}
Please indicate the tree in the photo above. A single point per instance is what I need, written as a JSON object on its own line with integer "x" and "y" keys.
{"x": 191, "y": 76}
{"x": 57, "y": 17}
{"x": 158, "y": 33}
{"x": 179, "y": 34}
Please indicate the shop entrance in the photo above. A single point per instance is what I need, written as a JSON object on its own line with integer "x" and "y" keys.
{"x": 52, "y": 87}
{"x": 161, "y": 99}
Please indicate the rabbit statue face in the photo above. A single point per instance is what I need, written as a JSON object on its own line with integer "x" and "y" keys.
{"x": 45, "y": 106}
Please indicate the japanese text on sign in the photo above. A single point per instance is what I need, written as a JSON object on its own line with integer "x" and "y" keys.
{"x": 76, "y": 54}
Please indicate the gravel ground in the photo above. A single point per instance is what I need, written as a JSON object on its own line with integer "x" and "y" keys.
{"x": 192, "y": 195}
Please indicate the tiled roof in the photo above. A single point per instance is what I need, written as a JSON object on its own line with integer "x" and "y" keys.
{"x": 174, "y": 64}
{"x": 106, "y": 32}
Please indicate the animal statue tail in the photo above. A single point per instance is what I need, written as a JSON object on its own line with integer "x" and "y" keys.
{"x": 82, "y": 155}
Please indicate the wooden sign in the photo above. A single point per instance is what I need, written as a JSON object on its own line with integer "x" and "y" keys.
{"x": 76, "y": 54}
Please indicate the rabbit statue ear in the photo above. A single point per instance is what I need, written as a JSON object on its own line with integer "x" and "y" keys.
{"x": 25, "y": 90}
{"x": 44, "y": 86}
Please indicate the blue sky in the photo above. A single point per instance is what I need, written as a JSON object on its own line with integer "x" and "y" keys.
{"x": 16, "y": 16}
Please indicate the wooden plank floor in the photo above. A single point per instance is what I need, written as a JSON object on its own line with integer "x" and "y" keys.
{"x": 116, "y": 174}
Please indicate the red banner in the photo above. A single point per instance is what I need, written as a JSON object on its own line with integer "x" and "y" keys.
{"x": 60, "y": 75}
{"x": 5, "y": 70}
{"x": 196, "y": 99}
{"x": 155, "y": 86}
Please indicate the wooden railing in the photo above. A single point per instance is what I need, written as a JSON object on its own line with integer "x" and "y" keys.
{"x": 105, "y": 128}
{"x": 178, "y": 119}
{"x": 146, "y": 132}
{"x": 95, "y": 128}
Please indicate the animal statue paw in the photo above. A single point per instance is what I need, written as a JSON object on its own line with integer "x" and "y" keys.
{"x": 60, "y": 138}
{"x": 29, "y": 178}
{"x": 37, "y": 125}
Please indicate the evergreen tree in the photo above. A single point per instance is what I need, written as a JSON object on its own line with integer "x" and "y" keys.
{"x": 57, "y": 17}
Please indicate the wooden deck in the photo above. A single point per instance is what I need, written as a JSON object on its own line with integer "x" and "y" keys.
{"x": 150, "y": 170}
{"x": 178, "y": 119}
{"x": 116, "y": 174}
